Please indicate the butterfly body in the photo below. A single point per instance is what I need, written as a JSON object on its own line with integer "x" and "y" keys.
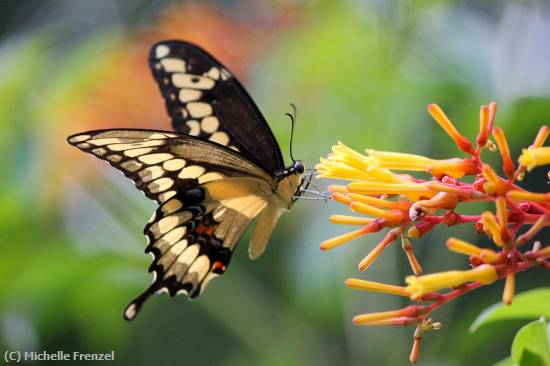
{"x": 218, "y": 172}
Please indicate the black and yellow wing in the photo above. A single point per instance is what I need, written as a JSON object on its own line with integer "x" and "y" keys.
{"x": 207, "y": 196}
{"x": 204, "y": 99}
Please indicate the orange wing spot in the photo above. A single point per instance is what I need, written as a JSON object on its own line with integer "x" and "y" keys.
{"x": 218, "y": 266}
{"x": 203, "y": 229}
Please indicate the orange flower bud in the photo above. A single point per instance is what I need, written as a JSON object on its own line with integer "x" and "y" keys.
{"x": 507, "y": 163}
{"x": 462, "y": 142}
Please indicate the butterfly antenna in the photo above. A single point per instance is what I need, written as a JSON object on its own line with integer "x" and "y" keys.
{"x": 292, "y": 121}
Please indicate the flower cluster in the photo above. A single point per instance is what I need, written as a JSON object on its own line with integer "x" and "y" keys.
{"x": 410, "y": 207}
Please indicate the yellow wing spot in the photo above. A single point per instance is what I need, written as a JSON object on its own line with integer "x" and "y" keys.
{"x": 162, "y": 50}
{"x": 131, "y": 165}
{"x": 137, "y": 152}
{"x": 210, "y": 124}
{"x": 160, "y": 185}
{"x": 199, "y": 109}
{"x": 200, "y": 266}
{"x": 225, "y": 74}
{"x": 191, "y": 172}
{"x": 163, "y": 197}
{"x": 155, "y": 158}
{"x": 99, "y": 151}
{"x": 153, "y": 172}
{"x": 179, "y": 247}
{"x": 106, "y": 141}
{"x": 220, "y": 137}
{"x": 173, "y": 65}
{"x": 194, "y": 127}
{"x": 174, "y": 164}
{"x": 208, "y": 177}
{"x": 79, "y": 138}
{"x": 189, "y": 255}
{"x": 233, "y": 147}
{"x": 192, "y": 81}
{"x": 172, "y": 206}
{"x": 167, "y": 223}
{"x": 84, "y": 145}
{"x": 188, "y": 95}
{"x": 114, "y": 158}
{"x": 214, "y": 73}
{"x": 170, "y": 238}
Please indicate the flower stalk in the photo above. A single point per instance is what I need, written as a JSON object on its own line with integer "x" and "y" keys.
{"x": 411, "y": 207}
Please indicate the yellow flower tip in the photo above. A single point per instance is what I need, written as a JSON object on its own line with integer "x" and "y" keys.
{"x": 463, "y": 247}
{"x": 378, "y": 249}
{"x": 507, "y": 163}
{"x": 341, "y": 198}
{"x": 456, "y": 168}
{"x": 439, "y": 116}
{"x": 509, "y": 289}
{"x": 373, "y": 226}
{"x": 495, "y": 185}
{"x": 541, "y": 137}
{"x": 358, "y": 284}
{"x": 492, "y": 228}
{"x": 422, "y": 285}
{"x": 350, "y": 220}
{"x": 484, "y": 118}
{"x": 370, "y": 318}
{"x": 393, "y": 217}
{"x": 335, "y": 188}
{"x": 532, "y": 158}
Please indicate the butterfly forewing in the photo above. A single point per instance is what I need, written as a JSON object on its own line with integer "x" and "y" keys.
{"x": 208, "y": 196}
{"x": 204, "y": 99}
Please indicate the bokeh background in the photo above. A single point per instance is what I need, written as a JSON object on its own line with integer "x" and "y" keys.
{"x": 359, "y": 71}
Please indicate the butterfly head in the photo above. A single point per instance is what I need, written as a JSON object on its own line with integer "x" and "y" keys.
{"x": 298, "y": 167}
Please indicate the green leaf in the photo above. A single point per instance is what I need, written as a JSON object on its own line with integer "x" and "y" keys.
{"x": 527, "y": 305}
{"x": 530, "y": 346}
{"x": 506, "y": 362}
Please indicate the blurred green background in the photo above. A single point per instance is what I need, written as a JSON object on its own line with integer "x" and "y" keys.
{"x": 359, "y": 71}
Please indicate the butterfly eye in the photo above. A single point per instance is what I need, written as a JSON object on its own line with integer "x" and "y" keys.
{"x": 299, "y": 167}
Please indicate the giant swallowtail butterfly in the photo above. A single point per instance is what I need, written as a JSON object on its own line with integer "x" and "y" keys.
{"x": 221, "y": 169}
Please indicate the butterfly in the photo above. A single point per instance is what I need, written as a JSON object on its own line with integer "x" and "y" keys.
{"x": 212, "y": 177}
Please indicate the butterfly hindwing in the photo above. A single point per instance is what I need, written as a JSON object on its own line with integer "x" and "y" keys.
{"x": 207, "y": 195}
{"x": 204, "y": 99}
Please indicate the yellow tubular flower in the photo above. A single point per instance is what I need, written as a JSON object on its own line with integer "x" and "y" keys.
{"x": 492, "y": 227}
{"x": 509, "y": 288}
{"x": 462, "y": 142}
{"x": 541, "y": 137}
{"x": 394, "y": 217}
{"x": 455, "y": 167}
{"x": 502, "y": 143}
{"x": 484, "y": 121}
{"x": 494, "y": 185}
{"x": 412, "y": 191}
{"x": 350, "y": 220}
{"x": 358, "y": 284}
{"x": 378, "y": 202}
{"x": 463, "y": 247}
{"x": 422, "y": 285}
{"x": 538, "y": 156}
{"x": 346, "y": 163}
{"x": 517, "y": 195}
